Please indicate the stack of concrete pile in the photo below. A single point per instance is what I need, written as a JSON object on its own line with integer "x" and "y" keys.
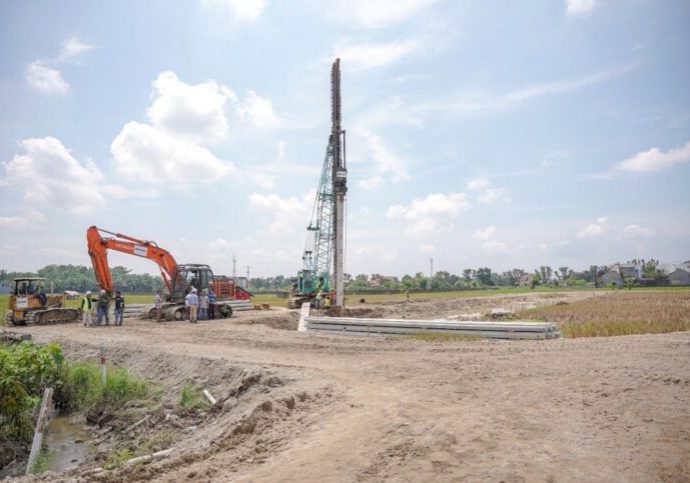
{"x": 485, "y": 329}
{"x": 239, "y": 305}
{"x": 137, "y": 311}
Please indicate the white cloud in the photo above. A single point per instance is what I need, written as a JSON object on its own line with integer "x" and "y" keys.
{"x": 194, "y": 112}
{"x": 593, "y": 229}
{"x": 267, "y": 175}
{"x": 478, "y": 184}
{"x": 31, "y": 219}
{"x": 285, "y": 215}
{"x": 486, "y": 193}
{"x": 655, "y": 159}
{"x": 51, "y": 177}
{"x": 240, "y": 9}
{"x": 359, "y": 57}
{"x": 493, "y": 246}
{"x": 71, "y": 50}
{"x": 492, "y": 195}
{"x": 485, "y": 234}
{"x": 43, "y": 74}
{"x": 382, "y": 13}
{"x": 427, "y": 248}
{"x": 45, "y": 78}
{"x": 259, "y": 112}
{"x": 637, "y": 231}
{"x": 431, "y": 213}
{"x": 147, "y": 153}
{"x": 385, "y": 161}
{"x": 580, "y": 7}
{"x": 481, "y": 103}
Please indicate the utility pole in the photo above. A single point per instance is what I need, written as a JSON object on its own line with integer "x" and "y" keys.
{"x": 234, "y": 266}
{"x": 339, "y": 185}
{"x": 431, "y": 271}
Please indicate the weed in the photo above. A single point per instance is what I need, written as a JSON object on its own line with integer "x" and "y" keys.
{"x": 84, "y": 389}
{"x": 620, "y": 313}
{"x": 43, "y": 462}
{"x": 116, "y": 458}
{"x": 192, "y": 397}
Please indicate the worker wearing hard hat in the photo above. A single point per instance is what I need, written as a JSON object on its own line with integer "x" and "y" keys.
{"x": 191, "y": 301}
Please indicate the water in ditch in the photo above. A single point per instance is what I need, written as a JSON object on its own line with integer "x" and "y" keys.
{"x": 69, "y": 444}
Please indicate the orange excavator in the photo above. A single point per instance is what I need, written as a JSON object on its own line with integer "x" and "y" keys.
{"x": 179, "y": 279}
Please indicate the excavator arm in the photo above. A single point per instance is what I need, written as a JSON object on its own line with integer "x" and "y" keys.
{"x": 98, "y": 251}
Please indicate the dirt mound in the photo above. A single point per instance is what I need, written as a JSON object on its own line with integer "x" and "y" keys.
{"x": 257, "y": 410}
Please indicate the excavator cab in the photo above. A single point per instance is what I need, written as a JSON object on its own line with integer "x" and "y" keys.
{"x": 190, "y": 276}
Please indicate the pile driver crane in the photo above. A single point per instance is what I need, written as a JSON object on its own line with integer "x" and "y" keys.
{"x": 323, "y": 257}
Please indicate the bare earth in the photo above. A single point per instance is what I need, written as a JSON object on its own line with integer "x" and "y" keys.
{"x": 308, "y": 407}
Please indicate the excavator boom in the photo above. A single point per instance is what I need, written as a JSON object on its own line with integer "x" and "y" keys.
{"x": 98, "y": 251}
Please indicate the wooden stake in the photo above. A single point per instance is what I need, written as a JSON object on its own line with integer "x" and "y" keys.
{"x": 210, "y": 398}
{"x": 40, "y": 428}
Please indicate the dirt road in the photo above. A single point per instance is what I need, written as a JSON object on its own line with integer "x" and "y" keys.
{"x": 394, "y": 409}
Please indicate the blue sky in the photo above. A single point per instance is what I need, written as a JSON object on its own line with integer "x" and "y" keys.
{"x": 500, "y": 134}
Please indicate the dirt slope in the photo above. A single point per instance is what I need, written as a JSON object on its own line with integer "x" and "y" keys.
{"x": 392, "y": 409}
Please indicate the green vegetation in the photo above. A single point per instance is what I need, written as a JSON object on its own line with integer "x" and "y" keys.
{"x": 26, "y": 369}
{"x": 81, "y": 278}
{"x": 84, "y": 389}
{"x": 43, "y": 462}
{"x": 620, "y": 313}
{"x": 192, "y": 397}
{"x": 116, "y": 458}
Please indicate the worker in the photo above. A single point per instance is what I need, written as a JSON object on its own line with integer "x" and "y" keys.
{"x": 86, "y": 304}
{"x": 318, "y": 299}
{"x": 211, "y": 302}
{"x": 327, "y": 303}
{"x": 191, "y": 301}
{"x": 203, "y": 305}
{"x": 103, "y": 305}
{"x": 158, "y": 303}
{"x": 119, "y": 308}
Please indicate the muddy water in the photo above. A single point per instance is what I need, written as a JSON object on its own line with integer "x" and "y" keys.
{"x": 69, "y": 444}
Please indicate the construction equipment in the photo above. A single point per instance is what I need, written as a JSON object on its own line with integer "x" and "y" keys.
{"x": 30, "y": 305}
{"x": 323, "y": 257}
{"x": 178, "y": 279}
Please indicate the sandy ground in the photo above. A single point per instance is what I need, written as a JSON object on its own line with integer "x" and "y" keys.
{"x": 339, "y": 408}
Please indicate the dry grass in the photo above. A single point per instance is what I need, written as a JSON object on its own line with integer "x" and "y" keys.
{"x": 619, "y": 313}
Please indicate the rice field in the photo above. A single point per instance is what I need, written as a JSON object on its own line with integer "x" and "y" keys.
{"x": 620, "y": 313}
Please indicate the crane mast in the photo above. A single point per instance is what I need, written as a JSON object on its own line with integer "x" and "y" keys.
{"x": 324, "y": 250}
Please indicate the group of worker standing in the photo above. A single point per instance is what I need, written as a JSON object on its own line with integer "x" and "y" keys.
{"x": 102, "y": 304}
{"x": 197, "y": 307}
{"x": 200, "y": 307}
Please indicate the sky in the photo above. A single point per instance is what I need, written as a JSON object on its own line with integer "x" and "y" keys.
{"x": 499, "y": 134}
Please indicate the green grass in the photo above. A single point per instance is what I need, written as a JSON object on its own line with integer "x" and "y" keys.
{"x": 192, "y": 397}
{"x": 42, "y": 463}
{"x": 84, "y": 389}
{"x": 116, "y": 458}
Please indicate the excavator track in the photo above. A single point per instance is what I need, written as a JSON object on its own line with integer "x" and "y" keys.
{"x": 51, "y": 316}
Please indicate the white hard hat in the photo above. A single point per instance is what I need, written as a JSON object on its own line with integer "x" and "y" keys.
{"x": 88, "y": 292}
{"x": 102, "y": 290}
{"x": 193, "y": 290}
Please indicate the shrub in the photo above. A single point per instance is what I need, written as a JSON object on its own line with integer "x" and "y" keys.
{"x": 84, "y": 388}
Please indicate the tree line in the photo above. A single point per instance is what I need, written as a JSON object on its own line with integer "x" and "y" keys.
{"x": 81, "y": 278}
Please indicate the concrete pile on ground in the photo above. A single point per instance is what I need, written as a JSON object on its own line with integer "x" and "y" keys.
{"x": 485, "y": 329}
